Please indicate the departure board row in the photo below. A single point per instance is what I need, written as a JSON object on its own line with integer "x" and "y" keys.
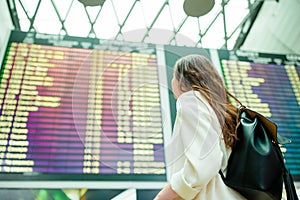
{"x": 76, "y": 110}
{"x": 274, "y": 91}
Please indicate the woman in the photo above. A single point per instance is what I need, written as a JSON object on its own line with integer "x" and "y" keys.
{"x": 204, "y": 133}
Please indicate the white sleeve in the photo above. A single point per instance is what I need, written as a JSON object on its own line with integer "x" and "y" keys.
{"x": 200, "y": 138}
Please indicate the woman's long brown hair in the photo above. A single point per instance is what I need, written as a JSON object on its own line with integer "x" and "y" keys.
{"x": 196, "y": 72}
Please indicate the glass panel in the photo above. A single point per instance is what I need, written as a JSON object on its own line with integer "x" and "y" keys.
{"x": 46, "y": 20}
{"x": 77, "y": 23}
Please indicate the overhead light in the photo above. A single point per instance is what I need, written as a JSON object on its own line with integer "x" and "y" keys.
{"x": 197, "y": 8}
{"x": 92, "y": 2}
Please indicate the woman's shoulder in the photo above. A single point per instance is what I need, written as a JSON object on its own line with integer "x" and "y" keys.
{"x": 189, "y": 95}
{"x": 192, "y": 98}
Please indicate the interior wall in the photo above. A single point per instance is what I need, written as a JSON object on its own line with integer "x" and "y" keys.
{"x": 276, "y": 29}
{"x": 6, "y": 26}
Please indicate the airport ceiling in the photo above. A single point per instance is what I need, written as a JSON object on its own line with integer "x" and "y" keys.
{"x": 151, "y": 21}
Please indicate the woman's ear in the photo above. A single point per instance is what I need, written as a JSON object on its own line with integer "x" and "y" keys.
{"x": 175, "y": 88}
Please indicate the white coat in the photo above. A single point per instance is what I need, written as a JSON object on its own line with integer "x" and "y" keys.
{"x": 197, "y": 151}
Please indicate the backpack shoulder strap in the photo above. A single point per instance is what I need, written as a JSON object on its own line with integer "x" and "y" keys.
{"x": 269, "y": 125}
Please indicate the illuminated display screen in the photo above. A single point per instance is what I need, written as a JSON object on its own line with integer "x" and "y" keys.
{"x": 67, "y": 110}
{"x": 273, "y": 89}
{"x": 87, "y": 109}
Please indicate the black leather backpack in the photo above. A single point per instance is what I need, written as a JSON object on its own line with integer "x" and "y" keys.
{"x": 256, "y": 167}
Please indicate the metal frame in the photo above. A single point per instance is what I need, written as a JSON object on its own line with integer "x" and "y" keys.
{"x": 250, "y": 18}
{"x": 13, "y": 13}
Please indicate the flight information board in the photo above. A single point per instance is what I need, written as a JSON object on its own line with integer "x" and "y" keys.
{"x": 89, "y": 109}
{"x": 74, "y": 110}
{"x": 269, "y": 84}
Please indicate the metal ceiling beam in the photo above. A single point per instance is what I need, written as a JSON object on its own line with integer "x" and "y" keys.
{"x": 199, "y": 33}
{"x": 67, "y": 14}
{"x": 250, "y": 18}
{"x": 178, "y": 29}
{"x": 212, "y": 22}
{"x": 33, "y": 17}
{"x": 59, "y": 17}
{"x": 92, "y": 23}
{"x": 125, "y": 20}
{"x": 13, "y": 14}
{"x": 223, "y": 4}
{"x": 155, "y": 19}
